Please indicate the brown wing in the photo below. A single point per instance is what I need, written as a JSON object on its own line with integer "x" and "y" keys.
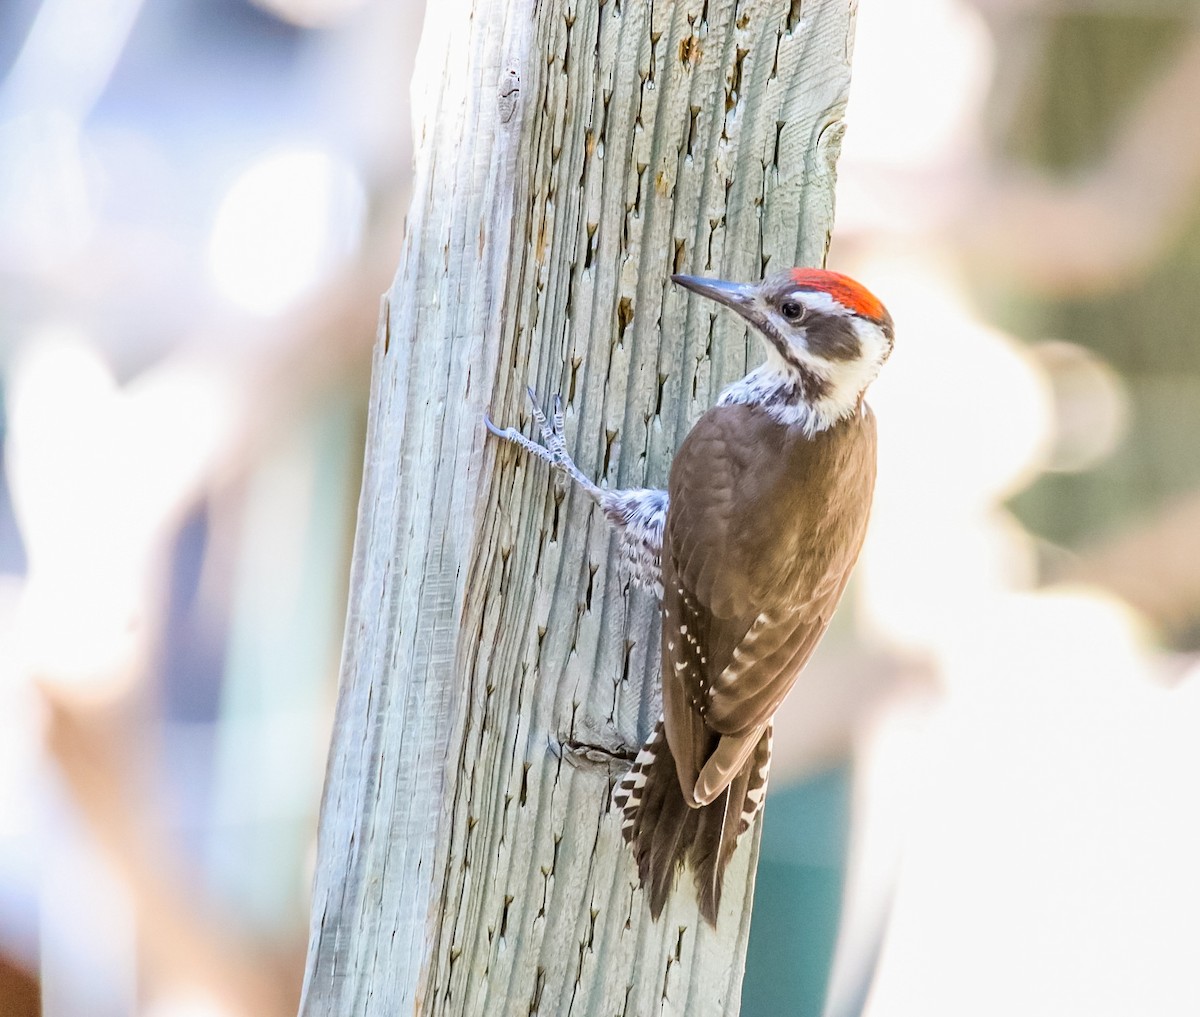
{"x": 763, "y": 527}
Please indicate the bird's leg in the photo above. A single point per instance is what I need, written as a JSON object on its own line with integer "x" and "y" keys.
{"x": 614, "y": 760}
{"x": 637, "y": 514}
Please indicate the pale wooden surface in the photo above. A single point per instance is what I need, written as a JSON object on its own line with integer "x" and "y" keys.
{"x": 569, "y": 159}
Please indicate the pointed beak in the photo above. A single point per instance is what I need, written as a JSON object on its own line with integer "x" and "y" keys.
{"x": 739, "y": 296}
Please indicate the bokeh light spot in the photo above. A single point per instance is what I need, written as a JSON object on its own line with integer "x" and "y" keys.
{"x": 282, "y": 226}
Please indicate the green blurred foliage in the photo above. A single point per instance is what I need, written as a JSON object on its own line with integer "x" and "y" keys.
{"x": 1095, "y": 69}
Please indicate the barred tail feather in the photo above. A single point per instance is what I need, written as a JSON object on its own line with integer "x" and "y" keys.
{"x": 724, "y": 821}
{"x": 654, "y": 818}
{"x": 664, "y": 832}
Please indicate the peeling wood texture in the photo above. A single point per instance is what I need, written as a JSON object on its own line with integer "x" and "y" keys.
{"x": 570, "y": 157}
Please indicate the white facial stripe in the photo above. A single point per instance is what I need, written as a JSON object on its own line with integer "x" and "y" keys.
{"x": 847, "y": 379}
{"x": 844, "y": 380}
{"x": 821, "y": 303}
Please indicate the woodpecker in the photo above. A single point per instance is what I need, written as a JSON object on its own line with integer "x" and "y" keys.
{"x": 750, "y": 548}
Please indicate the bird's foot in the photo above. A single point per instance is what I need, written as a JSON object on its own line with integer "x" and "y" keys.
{"x": 553, "y": 449}
{"x": 588, "y": 756}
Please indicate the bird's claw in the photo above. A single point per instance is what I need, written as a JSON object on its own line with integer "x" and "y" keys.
{"x": 586, "y": 756}
{"x": 552, "y": 429}
{"x": 553, "y": 449}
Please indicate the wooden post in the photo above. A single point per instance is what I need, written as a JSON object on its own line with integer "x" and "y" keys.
{"x": 570, "y": 156}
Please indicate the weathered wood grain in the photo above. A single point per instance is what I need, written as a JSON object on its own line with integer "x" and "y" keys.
{"x": 570, "y": 157}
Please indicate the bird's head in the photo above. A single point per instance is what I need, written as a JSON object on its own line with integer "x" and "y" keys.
{"x": 821, "y": 327}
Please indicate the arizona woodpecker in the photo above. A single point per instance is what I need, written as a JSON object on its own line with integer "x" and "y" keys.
{"x": 750, "y": 548}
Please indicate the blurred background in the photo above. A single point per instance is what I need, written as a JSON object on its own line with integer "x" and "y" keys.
{"x": 984, "y": 802}
{"x": 201, "y": 203}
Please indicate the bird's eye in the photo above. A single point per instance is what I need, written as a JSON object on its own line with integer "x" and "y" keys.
{"x": 792, "y": 310}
